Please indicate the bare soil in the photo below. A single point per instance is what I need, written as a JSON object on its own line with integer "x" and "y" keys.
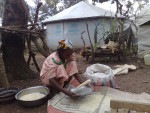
{"x": 135, "y": 81}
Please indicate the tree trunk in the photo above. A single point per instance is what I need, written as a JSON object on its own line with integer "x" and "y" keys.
{"x": 3, "y": 78}
{"x": 13, "y": 45}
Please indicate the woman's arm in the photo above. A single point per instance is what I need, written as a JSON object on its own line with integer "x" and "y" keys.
{"x": 58, "y": 87}
{"x": 80, "y": 78}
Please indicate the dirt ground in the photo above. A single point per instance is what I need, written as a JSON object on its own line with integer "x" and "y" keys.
{"x": 135, "y": 81}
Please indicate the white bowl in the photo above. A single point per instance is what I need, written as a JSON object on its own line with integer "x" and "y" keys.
{"x": 82, "y": 91}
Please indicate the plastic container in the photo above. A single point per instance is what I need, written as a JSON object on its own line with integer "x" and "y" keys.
{"x": 147, "y": 59}
{"x": 82, "y": 91}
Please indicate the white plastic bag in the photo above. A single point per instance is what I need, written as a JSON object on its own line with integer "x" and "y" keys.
{"x": 99, "y": 74}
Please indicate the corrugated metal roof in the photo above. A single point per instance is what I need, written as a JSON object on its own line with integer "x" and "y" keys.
{"x": 81, "y": 10}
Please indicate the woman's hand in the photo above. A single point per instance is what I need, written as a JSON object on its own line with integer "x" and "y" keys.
{"x": 65, "y": 91}
{"x": 73, "y": 95}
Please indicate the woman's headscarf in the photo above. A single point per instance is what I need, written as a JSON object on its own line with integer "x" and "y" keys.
{"x": 65, "y": 44}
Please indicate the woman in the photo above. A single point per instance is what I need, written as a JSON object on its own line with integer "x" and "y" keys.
{"x": 58, "y": 69}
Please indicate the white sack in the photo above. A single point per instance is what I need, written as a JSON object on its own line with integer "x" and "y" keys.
{"x": 99, "y": 73}
{"x": 123, "y": 69}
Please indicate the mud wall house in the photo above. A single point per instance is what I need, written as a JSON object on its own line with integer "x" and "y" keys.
{"x": 143, "y": 23}
{"x": 71, "y": 22}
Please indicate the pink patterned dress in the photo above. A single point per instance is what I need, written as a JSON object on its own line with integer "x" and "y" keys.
{"x": 54, "y": 68}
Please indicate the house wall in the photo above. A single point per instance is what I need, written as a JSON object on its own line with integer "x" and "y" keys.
{"x": 72, "y": 30}
{"x": 143, "y": 40}
{"x": 0, "y": 40}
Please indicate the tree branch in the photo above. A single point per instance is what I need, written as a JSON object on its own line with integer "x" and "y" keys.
{"x": 10, "y": 30}
{"x": 93, "y": 53}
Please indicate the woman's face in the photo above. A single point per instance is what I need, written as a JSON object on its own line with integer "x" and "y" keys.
{"x": 67, "y": 53}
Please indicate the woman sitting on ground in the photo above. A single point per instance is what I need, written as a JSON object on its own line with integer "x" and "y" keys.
{"x": 59, "y": 68}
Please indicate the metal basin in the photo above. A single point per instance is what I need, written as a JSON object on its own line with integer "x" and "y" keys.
{"x": 30, "y": 91}
{"x": 7, "y": 95}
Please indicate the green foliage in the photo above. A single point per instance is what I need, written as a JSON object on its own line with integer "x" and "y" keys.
{"x": 95, "y": 45}
{"x": 134, "y": 49}
{"x": 52, "y": 3}
{"x": 46, "y": 10}
{"x": 103, "y": 26}
{"x": 68, "y": 3}
{"x": 51, "y": 8}
{"x": 127, "y": 4}
{"x": 113, "y": 26}
{"x": 101, "y": 1}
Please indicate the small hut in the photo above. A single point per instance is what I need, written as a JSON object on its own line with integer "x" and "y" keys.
{"x": 143, "y": 22}
{"x": 71, "y": 22}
